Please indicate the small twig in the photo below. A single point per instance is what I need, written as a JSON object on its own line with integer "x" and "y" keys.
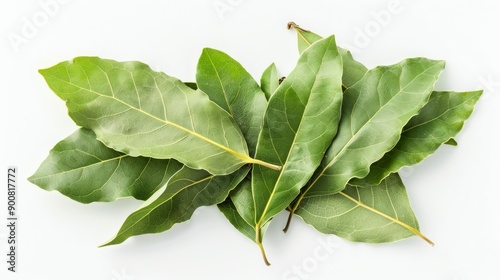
{"x": 296, "y": 26}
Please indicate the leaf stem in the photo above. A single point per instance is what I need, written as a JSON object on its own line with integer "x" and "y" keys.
{"x": 289, "y": 220}
{"x": 292, "y": 211}
{"x": 259, "y": 243}
{"x": 295, "y": 26}
{"x": 299, "y": 30}
{"x": 265, "y": 164}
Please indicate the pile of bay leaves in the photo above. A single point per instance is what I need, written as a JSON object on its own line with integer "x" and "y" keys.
{"x": 325, "y": 143}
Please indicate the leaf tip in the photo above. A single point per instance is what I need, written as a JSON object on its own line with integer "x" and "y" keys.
{"x": 442, "y": 63}
{"x": 206, "y": 49}
{"x": 31, "y": 179}
{"x": 112, "y": 241}
{"x": 109, "y": 243}
{"x": 43, "y": 71}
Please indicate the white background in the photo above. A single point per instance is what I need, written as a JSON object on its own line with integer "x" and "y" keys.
{"x": 454, "y": 193}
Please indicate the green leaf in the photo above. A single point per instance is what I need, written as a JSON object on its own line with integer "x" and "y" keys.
{"x": 229, "y": 210}
{"x": 376, "y": 214}
{"x": 140, "y": 112}
{"x": 231, "y": 213}
{"x": 305, "y": 38}
{"x": 437, "y": 123}
{"x": 83, "y": 169}
{"x": 229, "y": 85}
{"x": 451, "y": 142}
{"x": 238, "y": 208}
{"x": 374, "y": 112}
{"x": 176, "y": 201}
{"x": 353, "y": 70}
{"x": 269, "y": 81}
{"x": 299, "y": 125}
{"x": 191, "y": 85}
{"x": 242, "y": 198}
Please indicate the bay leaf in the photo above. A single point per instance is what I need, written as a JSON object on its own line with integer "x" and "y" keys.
{"x": 140, "y": 112}
{"x": 230, "y": 86}
{"x": 375, "y": 214}
{"x": 269, "y": 80}
{"x": 83, "y": 169}
{"x": 176, "y": 201}
{"x": 437, "y": 123}
{"x": 393, "y": 161}
{"x": 227, "y": 84}
{"x": 353, "y": 70}
{"x": 238, "y": 209}
{"x": 374, "y": 112}
{"x": 300, "y": 122}
{"x": 231, "y": 213}
{"x": 242, "y": 198}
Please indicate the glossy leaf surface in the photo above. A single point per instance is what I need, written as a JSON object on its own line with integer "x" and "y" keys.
{"x": 437, "y": 123}
{"x": 140, "y": 112}
{"x": 353, "y": 70}
{"x": 374, "y": 214}
{"x": 269, "y": 81}
{"x": 85, "y": 170}
{"x": 374, "y": 112}
{"x": 300, "y": 122}
{"x": 231, "y": 213}
{"x": 242, "y": 198}
{"x": 231, "y": 87}
{"x": 176, "y": 202}
{"x": 238, "y": 209}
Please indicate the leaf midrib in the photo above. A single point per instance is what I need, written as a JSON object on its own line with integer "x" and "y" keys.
{"x": 386, "y": 173}
{"x": 81, "y": 167}
{"x": 392, "y": 219}
{"x": 220, "y": 82}
{"x": 299, "y": 31}
{"x": 452, "y": 108}
{"x": 243, "y": 157}
{"x": 163, "y": 202}
{"x": 293, "y": 142}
